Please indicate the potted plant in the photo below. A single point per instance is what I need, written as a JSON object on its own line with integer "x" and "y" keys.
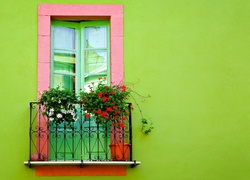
{"x": 108, "y": 104}
{"x": 105, "y": 103}
{"x": 59, "y": 105}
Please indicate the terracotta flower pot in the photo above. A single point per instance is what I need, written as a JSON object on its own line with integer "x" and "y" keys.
{"x": 120, "y": 151}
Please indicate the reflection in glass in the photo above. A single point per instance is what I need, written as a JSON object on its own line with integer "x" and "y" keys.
{"x": 64, "y": 81}
{"x": 95, "y": 37}
{"x": 95, "y": 61}
{"x": 64, "y": 62}
{"x": 64, "y": 38}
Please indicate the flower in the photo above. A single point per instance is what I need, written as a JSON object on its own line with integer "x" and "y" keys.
{"x": 106, "y": 103}
{"x": 58, "y": 105}
{"x": 98, "y": 111}
{"x": 123, "y": 88}
{"x": 59, "y": 116}
{"x": 63, "y": 111}
{"x": 104, "y": 99}
{"x": 121, "y": 125}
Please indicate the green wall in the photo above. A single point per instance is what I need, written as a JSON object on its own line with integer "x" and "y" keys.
{"x": 191, "y": 56}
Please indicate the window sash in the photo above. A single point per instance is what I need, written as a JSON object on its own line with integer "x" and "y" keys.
{"x": 82, "y": 63}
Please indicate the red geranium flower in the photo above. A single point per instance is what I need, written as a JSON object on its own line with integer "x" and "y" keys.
{"x": 99, "y": 94}
{"x": 98, "y": 111}
{"x": 87, "y": 115}
{"x": 104, "y": 113}
{"x": 104, "y": 99}
{"x": 112, "y": 92}
{"x": 123, "y": 88}
{"x": 109, "y": 109}
{"x": 121, "y": 125}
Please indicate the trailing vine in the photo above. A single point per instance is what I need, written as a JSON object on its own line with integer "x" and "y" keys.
{"x": 147, "y": 124}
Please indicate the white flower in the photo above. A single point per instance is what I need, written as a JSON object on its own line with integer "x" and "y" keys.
{"x": 51, "y": 119}
{"x": 52, "y": 98}
{"x": 75, "y": 118}
{"x": 70, "y": 111}
{"x": 63, "y": 111}
{"x": 59, "y": 101}
{"x": 59, "y": 115}
{"x": 51, "y": 110}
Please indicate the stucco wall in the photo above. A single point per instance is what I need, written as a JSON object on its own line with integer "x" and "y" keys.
{"x": 191, "y": 56}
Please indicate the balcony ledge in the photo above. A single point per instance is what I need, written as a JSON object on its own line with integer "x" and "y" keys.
{"x": 81, "y": 163}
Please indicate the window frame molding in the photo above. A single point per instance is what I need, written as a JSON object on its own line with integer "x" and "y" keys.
{"x": 49, "y": 12}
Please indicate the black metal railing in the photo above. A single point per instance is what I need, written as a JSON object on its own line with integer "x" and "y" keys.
{"x": 82, "y": 140}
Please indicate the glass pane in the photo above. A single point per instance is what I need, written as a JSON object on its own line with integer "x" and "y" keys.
{"x": 64, "y": 62}
{"x": 95, "y": 61}
{"x": 64, "y": 81}
{"x": 95, "y": 37}
{"x": 64, "y": 38}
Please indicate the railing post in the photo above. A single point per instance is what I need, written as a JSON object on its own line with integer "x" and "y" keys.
{"x": 30, "y": 130}
{"x": 130, "y": 131}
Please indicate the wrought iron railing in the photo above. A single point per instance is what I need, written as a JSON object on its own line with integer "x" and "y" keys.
{"x": 82, "y": 140}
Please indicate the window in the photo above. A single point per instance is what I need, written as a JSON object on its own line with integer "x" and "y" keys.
{"x": 81, "y": 13}
{"x": 79, "y": 56}
{"x": 79, "y": 53}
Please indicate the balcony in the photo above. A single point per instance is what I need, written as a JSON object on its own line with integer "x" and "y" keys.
{"x": 83, "y": 142}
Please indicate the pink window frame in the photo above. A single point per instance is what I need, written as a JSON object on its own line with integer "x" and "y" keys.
{"x": 47, "y": 12}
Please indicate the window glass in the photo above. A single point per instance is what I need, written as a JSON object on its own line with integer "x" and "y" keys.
{"x": 95, "y": 61}
{"x": 95, "y": 37}
{"x": 64, "y": 38}
{"x": 80, "y": 53}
